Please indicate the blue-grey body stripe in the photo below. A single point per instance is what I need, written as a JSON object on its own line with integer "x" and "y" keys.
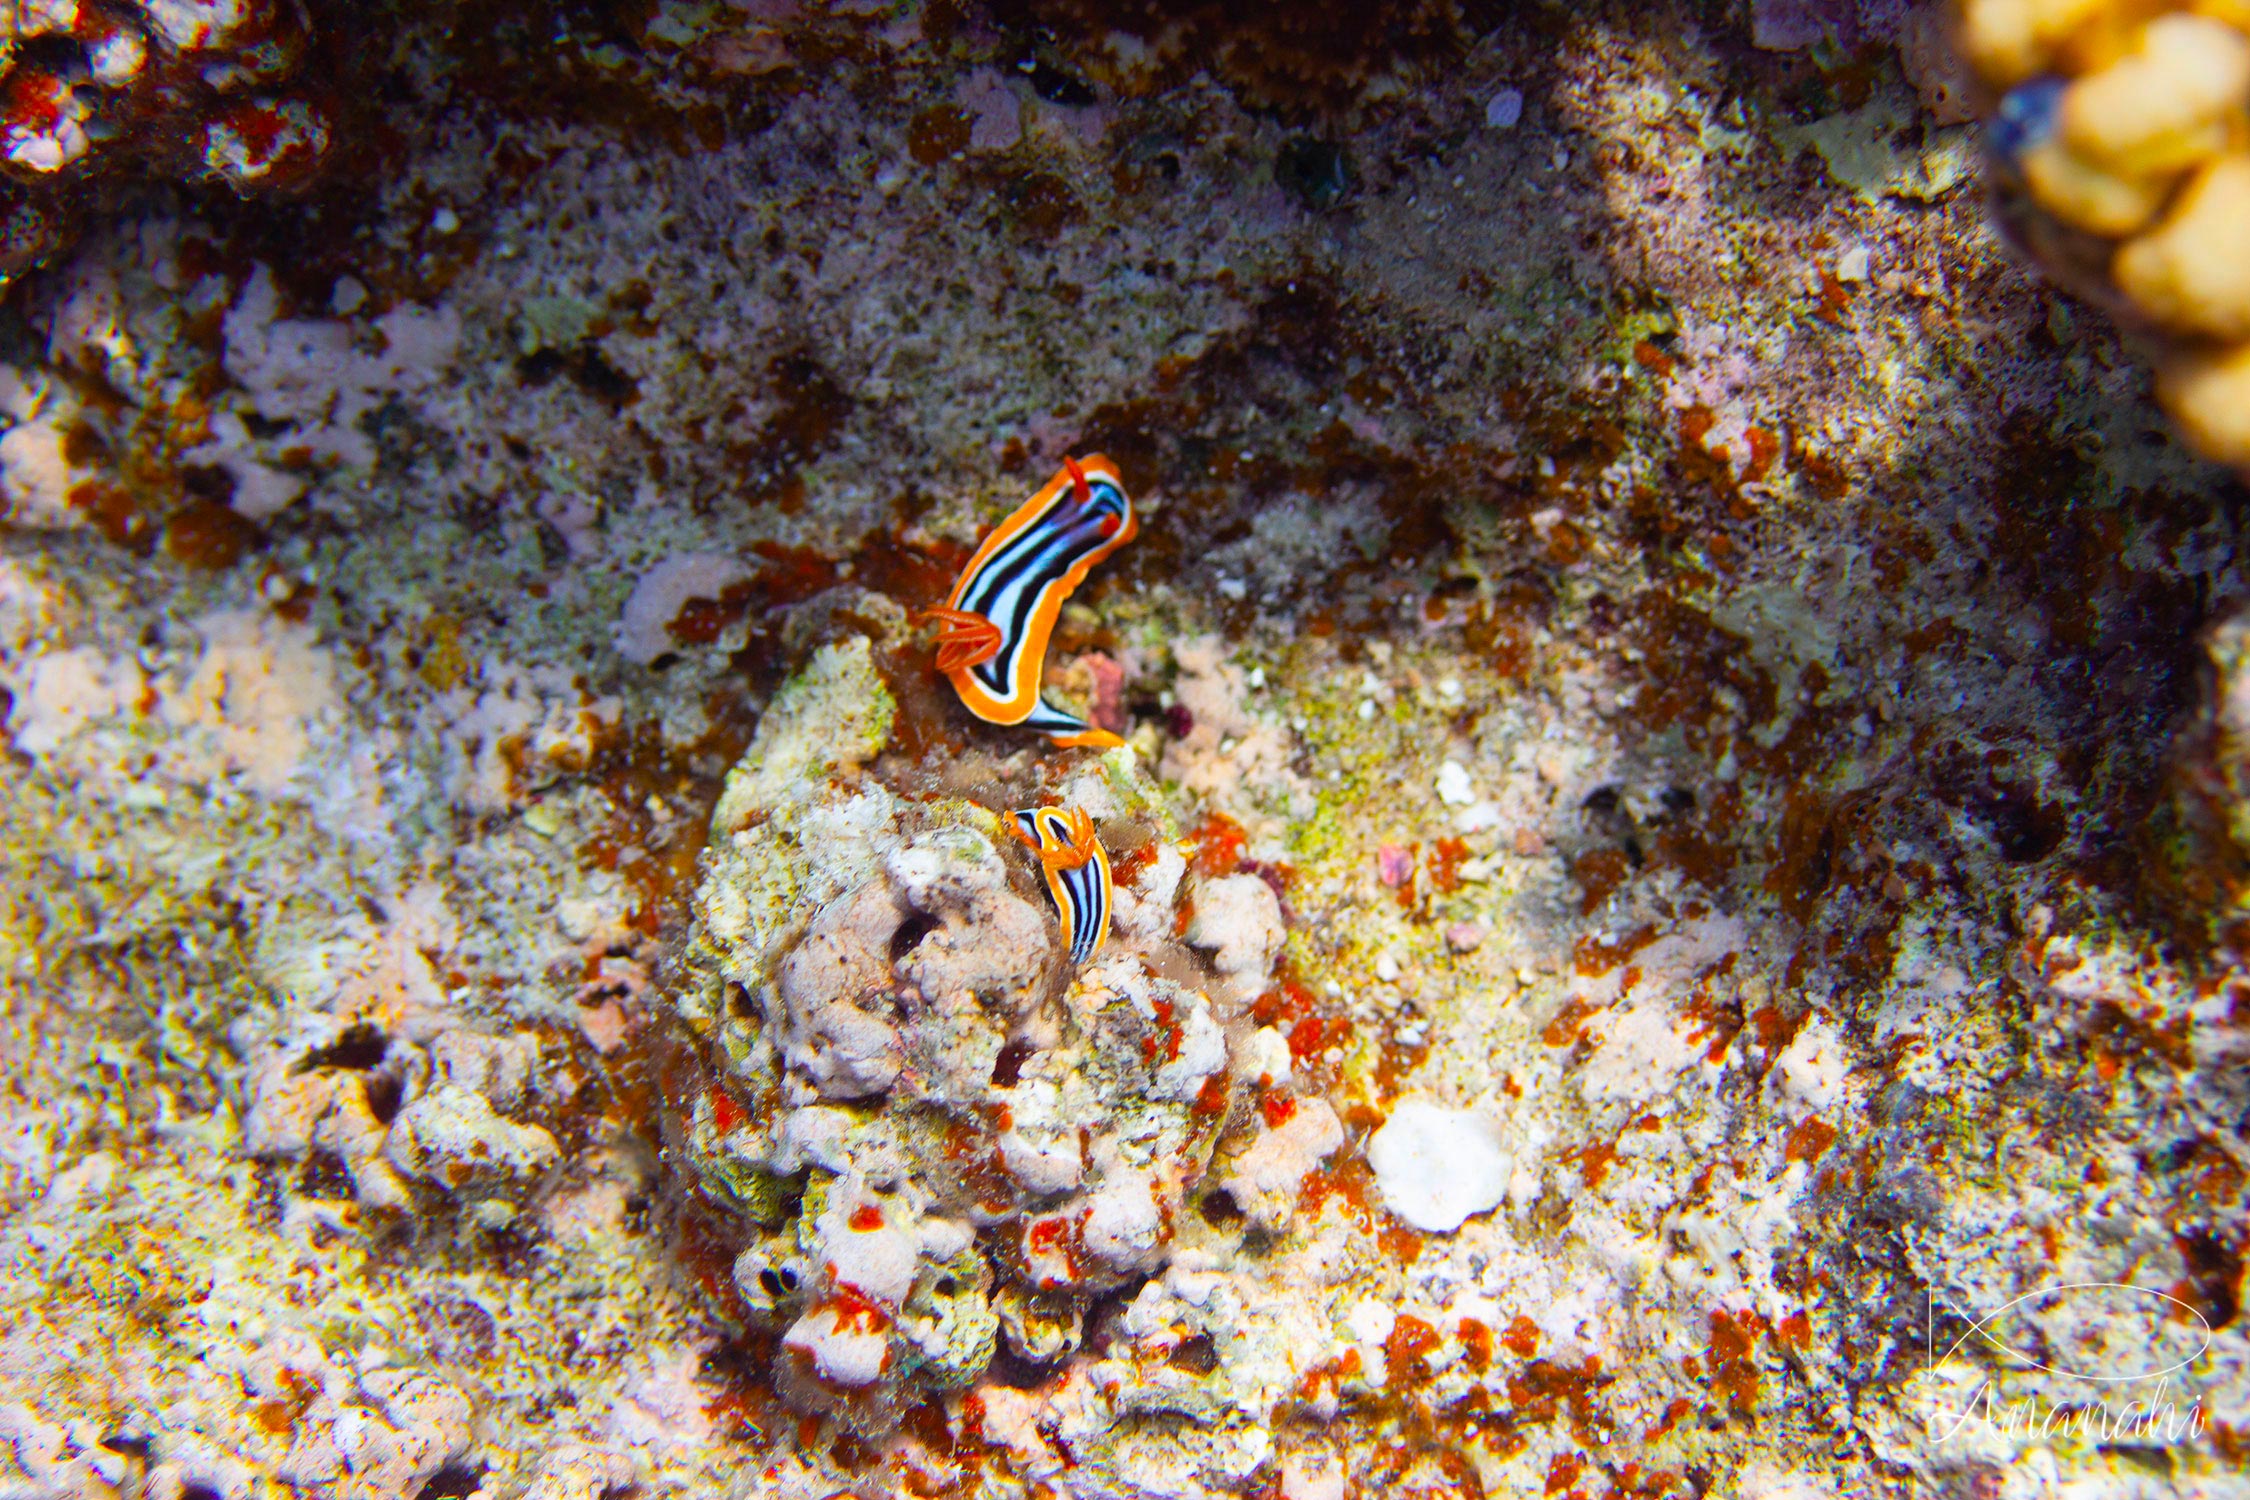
{"x": 1048, "y": 719}
{"x": 1085, "y": 887}
{"x": 1006, "y": 589}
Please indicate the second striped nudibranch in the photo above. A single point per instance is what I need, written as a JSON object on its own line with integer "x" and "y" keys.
{"x": 993, "y": 630}
{"x": 1077, "y": 872}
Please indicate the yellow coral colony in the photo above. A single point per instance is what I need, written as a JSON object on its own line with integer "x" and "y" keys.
{"x": 2130, "y": 120}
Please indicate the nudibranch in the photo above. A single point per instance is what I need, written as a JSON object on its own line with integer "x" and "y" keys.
{"x": 1077, "y": 872}
{"x": 993, "y": 629}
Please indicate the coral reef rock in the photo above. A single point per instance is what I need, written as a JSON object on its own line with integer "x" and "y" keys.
{"x": 940, "y": 1141}
{"x": 1681, "y": 846}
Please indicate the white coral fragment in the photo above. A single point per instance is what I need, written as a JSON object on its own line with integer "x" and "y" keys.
{"x": 841, "y": 1346}
{"x": 832, "y": 985}
{"x": 1810, "y": 1074}
{"x": 519, "y": 732}
{"x": 1041, "y": 1149}
{"x": 866, "y": 1243}
{"x": 574, "y": 1471}
{"x": 201, "y": 25}
{"x": 644, "y": 628}
{"x": 1237, "y": 917}
{"x": 314, "y": 375}
{"x": 36, "y": 475}
{"x": 46, "y": 128}
{"x": 60, "y": 693}
{"x": 252, "y": 701}
{"x": 1437, "y": 1168}
{"x": 1124, "y": 1228}
{"x": 452, "y": 1137}
{"x": 1143, "y": 912}
{"x": 1267, "y": 1177}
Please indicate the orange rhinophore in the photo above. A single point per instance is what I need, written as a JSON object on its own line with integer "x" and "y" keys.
{"x": 1077, "y": 872}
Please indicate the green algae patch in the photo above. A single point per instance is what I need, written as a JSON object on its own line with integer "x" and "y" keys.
{"x": 1327, "y": 837}
{"x": 554, "y": 323}
{"x": 1861, "y": 148}
{"x": 959, "y": 813}
{"x": 834, "y": 716}
{"x": 1127, "y": 776}
{"x": 1641, "y": 325}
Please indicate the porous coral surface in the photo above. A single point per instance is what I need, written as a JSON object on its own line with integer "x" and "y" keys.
{"x": 1681, "y": 852}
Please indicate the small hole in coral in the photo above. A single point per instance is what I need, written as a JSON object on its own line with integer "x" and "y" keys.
{"x": 1601, "y": 800}
{"x": 383, "y": 1093}
{"x": 947, "y": 1287}
{"x": 1197, "y": 1356}
{"x": 325, "y": 1177}
{"x": 1314, "y": 172}
{"x": 1105, "y": 1320}
{"x": 910, "y": 933}
{"x": 196, "y": 1491}
{"x": 207, "y": 483}
{"x": 771, "y": 1282}
{"x": 453, "y": 1482}
{"x": 1011, "y": 1369}
{"x": 788, "y": 1279}
{"x": 1007, "y": 1068}
{"x": 2214, "y": 1272}
{"x": 513, "y": 1251}
{"x": 2026, "y": 829}
{"x": 738, "y": 1001}
{"x": 360, "y": 1047}
{"x": 586, "y": 367}
{"x": 851, "y": 1455}
{"x": 1058, "y": 87}
{"x": 263, "y": 1210}
{"x": 1219, "y": 1208}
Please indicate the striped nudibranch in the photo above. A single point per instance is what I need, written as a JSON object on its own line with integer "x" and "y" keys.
{"x": 993, "y": 630}
{"x": 1077, "y": 873}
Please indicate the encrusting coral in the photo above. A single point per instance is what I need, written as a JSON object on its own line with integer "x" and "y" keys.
{"x": 907, "y": 1083}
